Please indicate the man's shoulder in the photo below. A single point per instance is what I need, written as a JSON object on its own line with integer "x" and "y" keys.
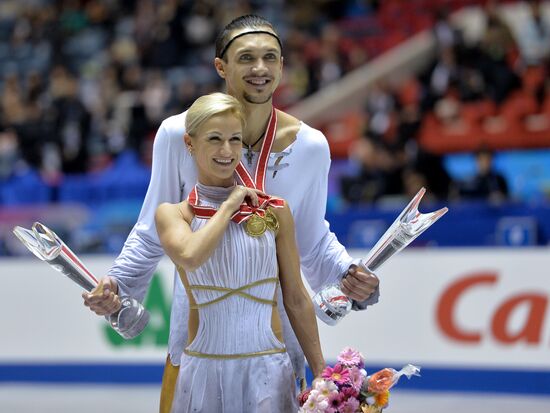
{"x": 173, "y": 126}
{"x": 310, "y": 133}
{"x": 312, "y": 139}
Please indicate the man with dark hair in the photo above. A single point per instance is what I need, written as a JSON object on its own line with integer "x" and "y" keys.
{"x": 246, "y": 22}
{"x": 295, "y": 167}
{"x": 487, "y": 183}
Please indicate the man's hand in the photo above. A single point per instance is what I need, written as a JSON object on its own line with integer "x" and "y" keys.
{"x": 359, "y": 284}
{"x": 103, "y": 300}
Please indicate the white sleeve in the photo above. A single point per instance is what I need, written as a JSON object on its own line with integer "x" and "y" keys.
{"x": 142, "y": 251}
{"x": 323, "y": 258}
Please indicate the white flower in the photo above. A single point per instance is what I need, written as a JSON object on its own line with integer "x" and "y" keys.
{"x": 325, "y": 387}
{"x": 315, "y": 403}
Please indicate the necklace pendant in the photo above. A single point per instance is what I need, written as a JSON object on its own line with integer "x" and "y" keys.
{"x": 249, "y": 155}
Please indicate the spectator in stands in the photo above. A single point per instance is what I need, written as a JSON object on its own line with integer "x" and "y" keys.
{"x": 534, "y": 35}
{"x": 443, "y": 76}
{"x": 446, "y": 35}
{"x": 487, "y": 184}
{"x": 328, "y": 66}
{"x": 379, "y": 172}
{"x": 9, "y": 153}
{"x": 71, "y": 121}
{"x": 497, "y": 47}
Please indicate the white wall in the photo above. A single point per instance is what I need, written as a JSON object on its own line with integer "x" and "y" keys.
{"x": 421, "y": 317}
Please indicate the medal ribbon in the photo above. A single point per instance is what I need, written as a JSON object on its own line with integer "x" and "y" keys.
{"x": 258, "y": 182}
{"x": 244, "y": 212}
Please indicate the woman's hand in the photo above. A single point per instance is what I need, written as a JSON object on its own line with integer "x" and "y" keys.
{"x": 241, "y": 193}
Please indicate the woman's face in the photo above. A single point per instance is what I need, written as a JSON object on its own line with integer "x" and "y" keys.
{"x": 216, "y": 148}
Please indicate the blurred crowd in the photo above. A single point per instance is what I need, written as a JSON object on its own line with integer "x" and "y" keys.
{"x": 388, "y": 157}
{"x": 83, "y": 80}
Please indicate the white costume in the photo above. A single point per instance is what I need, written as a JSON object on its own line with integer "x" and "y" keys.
{"x": 235, "y": 363}
{"x": 298, "y": 174}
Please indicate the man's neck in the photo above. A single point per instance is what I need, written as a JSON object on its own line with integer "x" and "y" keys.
{"x": 257, "y": 117}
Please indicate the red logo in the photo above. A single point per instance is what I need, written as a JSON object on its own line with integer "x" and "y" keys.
{"x": 530, "y": 332}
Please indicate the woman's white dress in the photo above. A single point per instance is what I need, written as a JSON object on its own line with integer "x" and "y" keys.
{"x": 223, "y": 369}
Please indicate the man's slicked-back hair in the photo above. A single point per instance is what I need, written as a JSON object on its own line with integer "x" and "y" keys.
{"x": 248, "y": 21}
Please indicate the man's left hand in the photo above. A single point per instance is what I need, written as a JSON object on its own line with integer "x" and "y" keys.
{"x": 359, "y": 284}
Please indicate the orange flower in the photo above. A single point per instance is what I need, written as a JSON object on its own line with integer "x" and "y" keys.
{"x": 382, "y": 380}
{"x": 381, "y": 399}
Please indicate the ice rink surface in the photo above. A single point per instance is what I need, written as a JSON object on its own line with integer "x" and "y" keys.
{"x": 144, "y": 399}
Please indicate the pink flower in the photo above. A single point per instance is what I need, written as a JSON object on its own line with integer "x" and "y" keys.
{"x": 349, "y": 392}
{"x": 303, "y": 396}
{"x": 335, "y": 402}
{"x": 351, "y": 357}
{"x": 338, "y": 374}
{"x": 350, "y": 406}
{"x": 356, "y": 378}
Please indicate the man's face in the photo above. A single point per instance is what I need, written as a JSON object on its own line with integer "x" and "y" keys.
{"x": 253, "y": 67}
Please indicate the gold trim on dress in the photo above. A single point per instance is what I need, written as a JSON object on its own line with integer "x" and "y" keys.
{"x": 234, "y": 356}
{"x": 233, "y": 291}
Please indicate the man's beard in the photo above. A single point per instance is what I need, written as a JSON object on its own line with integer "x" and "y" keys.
{"x": 257, "y": 100}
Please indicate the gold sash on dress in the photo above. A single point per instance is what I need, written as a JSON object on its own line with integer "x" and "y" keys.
{"x": 228, "y": 293}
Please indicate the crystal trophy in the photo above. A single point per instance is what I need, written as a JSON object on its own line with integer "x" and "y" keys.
{"x": 331, "y": 304}
{"x": 129, "y": 321}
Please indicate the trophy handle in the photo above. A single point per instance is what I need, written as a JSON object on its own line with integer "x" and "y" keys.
{"x": 331, "y": 304}
{"x": 128, "y": 321}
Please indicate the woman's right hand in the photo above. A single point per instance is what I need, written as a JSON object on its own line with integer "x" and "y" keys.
{"x": 241, "y": 193}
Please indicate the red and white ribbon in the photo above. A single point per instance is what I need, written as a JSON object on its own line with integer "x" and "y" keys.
{"x": 244, "y": 212}
{"x": 258, "y": 182}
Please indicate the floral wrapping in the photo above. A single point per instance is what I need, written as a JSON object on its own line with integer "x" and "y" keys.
{"x": 346, "y": 387}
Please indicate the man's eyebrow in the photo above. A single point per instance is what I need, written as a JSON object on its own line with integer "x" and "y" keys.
{"x": 248, "y": 50}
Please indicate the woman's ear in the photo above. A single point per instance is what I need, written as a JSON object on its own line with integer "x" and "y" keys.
{"x": 188, "y": 143}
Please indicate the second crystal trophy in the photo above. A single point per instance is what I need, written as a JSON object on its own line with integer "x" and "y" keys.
{"x": 132, "y": 317}
{"x": 331, "y": 304}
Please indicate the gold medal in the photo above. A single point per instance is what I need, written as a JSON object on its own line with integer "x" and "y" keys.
{"x": 255, "y": 226}
{"x": 271, "y": 221}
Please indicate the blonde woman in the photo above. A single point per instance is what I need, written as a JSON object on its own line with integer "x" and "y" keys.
{"x": 235, "y": 359}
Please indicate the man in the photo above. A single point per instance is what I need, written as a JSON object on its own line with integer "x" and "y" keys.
{"x": 249, "y": 59}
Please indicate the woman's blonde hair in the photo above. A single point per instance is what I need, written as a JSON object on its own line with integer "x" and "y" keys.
{"x": 211, "y": 105}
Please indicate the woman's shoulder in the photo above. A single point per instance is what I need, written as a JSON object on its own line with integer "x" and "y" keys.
{"x": 169, "y": 211}
{"x": 283, "y": 212}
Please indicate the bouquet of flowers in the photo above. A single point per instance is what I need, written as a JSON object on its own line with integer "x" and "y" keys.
{"x": 346, "y": 387}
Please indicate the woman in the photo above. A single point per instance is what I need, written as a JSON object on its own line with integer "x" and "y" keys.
{"x": 232, "y": 246}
